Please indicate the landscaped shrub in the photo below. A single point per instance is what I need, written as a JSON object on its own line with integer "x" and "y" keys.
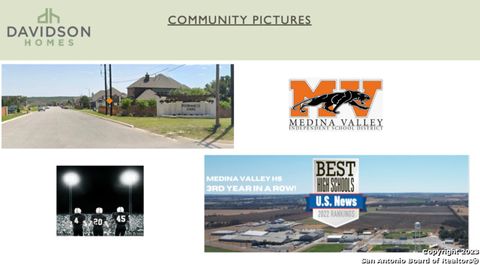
{"x": 139, "y": 107}
{"x": 126, "y": 103}
{"x": 141, "y": 104}
{"x": 225, "y": 104}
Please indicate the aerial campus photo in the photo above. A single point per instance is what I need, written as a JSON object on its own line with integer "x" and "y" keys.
{"x": 117, "y": 105}
{"x": 259, "y": 204}
{"x": 100, "y": 201}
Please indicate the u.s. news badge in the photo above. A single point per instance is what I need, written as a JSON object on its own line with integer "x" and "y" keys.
{"x": 335, "y": 200}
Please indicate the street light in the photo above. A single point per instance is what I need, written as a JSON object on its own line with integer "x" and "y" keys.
{"x": 129, "y": 178}
{"x": 70, "y": 179}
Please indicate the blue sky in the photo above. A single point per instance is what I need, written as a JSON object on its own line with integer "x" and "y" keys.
{"x": 377, "y": 173}
{"x": 82, "y": 79}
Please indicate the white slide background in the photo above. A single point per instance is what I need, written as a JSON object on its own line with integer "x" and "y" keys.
{"x": 429, "y": 108}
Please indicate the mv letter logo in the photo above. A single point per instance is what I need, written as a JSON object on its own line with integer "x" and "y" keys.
{"x": 328, "y": 99}
{"x": 48, "y": 17}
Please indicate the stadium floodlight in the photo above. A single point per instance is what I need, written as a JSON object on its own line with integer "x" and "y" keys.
{"x": 71, "y": 179}
{"x": 129, "y": 178}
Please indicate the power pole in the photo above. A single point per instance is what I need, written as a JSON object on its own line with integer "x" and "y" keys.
{"x": 106, "y": 96}
{"x": 217, "y": 97}
{"x": 110, "y": 76}
{"x": 232, "y": 93}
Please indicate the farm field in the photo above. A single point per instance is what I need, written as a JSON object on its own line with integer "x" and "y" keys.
{"x": 411, "y": 248}
{"x": 326, "y": 248}
{"x": 398, "y": 218}
{"x": 406, "y": 221}
{"x": 236, "y": 212}
{"x": 404, "y": 234}
{"x": 216, "y": 249}
{"x": 415, "y": 209}
{"x": 294, "y": 214}
{"x": 460, "y": 210}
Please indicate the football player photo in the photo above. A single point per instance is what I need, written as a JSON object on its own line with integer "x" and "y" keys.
{"x": 100, "y": 201}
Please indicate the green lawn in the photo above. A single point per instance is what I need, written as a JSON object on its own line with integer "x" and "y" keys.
{"x": 325, "y": 248}
{"x": 196, "y": 128}
{"x": 410, "y": 247}
{"x": 11, "y": 116}
{"x": 407, "y": 234}
{"x": 215, "y": 249}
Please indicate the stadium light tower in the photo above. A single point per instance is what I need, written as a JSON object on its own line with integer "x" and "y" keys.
{"x": 129, "y": 178}
{"x": 70, "y": 179}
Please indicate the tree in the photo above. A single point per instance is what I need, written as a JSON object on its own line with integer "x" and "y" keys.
{"x": 183, "y": 91}
{"x": 225, "y": 104}
{"x": 84, "y": 102}
{"x": 18, "y": 101}
{"x": 223, "y": 87}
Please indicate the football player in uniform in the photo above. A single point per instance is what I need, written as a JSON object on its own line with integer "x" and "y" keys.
{"x": 98, "y": 220}
{"x": 78, "y": 220}
{"x": 122, "y": 221}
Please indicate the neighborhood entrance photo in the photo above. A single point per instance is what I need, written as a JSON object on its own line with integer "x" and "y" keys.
{"x": 118, "y": 106}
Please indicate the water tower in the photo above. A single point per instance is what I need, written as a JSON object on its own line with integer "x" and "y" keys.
{"x": 416, "y": 233}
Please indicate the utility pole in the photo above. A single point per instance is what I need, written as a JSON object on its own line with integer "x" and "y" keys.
{"x": 217, "y": 97}
{"x": 110, "y": 76}
{"x": 232, "y": 101}
{"x": 106, "y": 96}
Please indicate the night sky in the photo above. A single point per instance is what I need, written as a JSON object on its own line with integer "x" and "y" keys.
{"x": 99, "y": 186}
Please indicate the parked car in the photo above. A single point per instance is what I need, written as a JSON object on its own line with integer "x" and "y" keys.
{"x": 12, "y": 109}
{"x": 41, "y": 109}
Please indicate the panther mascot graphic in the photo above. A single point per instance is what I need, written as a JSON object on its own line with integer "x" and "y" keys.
{"x": 337, "y": 99}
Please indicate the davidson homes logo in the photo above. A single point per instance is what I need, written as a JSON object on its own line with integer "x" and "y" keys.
{"x": 48, "y": 32}
{"x": 336, "y": 105}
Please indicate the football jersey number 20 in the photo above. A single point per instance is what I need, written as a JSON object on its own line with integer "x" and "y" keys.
{"x": 97, "y": 221}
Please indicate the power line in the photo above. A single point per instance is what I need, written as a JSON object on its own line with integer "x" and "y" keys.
{"x": 176, "y": 68}
{"x": 163, "y": 70}
{"x": 124, "y": 81}
{"x": 151, "y": 69}
{"x": 166, "y": 68}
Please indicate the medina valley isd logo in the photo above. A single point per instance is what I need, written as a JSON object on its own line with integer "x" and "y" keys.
{"x": 336, "y": 105}
{"x": 335, "y": 200}
{"x": 48, "y": 30}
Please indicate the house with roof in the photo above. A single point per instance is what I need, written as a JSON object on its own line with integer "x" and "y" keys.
{"x": 160, "y": 84}
{"x": 98, "y": 99}
{"x": 159, "y": 88}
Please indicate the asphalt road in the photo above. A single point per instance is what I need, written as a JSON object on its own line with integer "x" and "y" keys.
{"x": 63, "y": 128}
